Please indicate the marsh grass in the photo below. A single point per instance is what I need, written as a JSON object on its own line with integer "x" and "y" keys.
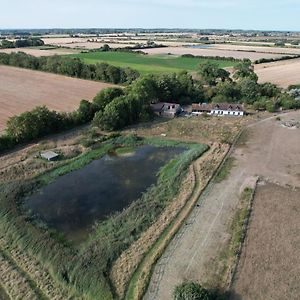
{"x": 83, "y": 271}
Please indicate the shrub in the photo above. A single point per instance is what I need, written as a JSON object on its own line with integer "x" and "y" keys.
{"x": 191, "y": 291}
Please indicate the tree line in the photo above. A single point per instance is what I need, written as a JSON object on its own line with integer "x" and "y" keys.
{"x": 20, "y": 43}
{"x": 243, "y": 87}
{"x": 115, "y": 108}
{"x": 74, "y": 67}
{"x": 111, "y": 108}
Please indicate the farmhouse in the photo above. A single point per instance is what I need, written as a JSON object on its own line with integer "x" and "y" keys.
{"x": 218, "y": 109}
{"x": 49, "y": 155}
{"x": 165, "y": 109}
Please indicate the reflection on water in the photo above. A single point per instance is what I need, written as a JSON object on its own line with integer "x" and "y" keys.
{"x": 199, "y": 46}
{"x": 75, "y": 201}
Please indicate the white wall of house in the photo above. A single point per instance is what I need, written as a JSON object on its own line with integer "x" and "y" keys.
{"x": 226, "y": 113}
{"x": 220, "y": 113}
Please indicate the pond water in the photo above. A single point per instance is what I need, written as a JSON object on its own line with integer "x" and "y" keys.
{"x": 76, "y": 200}
{"x": 200, "y": 46}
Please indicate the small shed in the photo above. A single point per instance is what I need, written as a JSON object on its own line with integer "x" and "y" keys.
{"x": 49, "y": 155}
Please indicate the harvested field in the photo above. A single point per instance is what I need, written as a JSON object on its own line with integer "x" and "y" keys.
{"x": 22, "y": 90}
{"x": 258, "y": 49}
{"x": 269, "y": 266}
{"x": 38, "y": 52}
{"x": 84, "y": 43}
{"x": 282, "y": 73}
{"x": 207, "y": 51}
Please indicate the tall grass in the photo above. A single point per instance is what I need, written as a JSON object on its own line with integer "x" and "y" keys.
{"x": 84, "y": 270}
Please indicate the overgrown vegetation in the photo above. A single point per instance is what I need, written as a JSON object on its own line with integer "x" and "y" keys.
{"x": 191, "y": 291}
{"x": 83, "y": 271}
{"x": 69, "y": 66}
{"x": 268, "y": 60}
{"x": 20, "y": 43}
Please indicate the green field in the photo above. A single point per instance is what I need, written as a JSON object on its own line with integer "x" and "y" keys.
{"x": 146, "y": 64}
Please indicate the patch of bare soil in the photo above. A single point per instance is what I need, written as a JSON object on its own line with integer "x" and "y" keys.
{"x": 197, "y": 129}
{"x": 25, "y": 163}
{"x": 269, "y": 266}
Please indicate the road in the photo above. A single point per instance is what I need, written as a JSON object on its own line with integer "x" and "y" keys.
{"x": 191, "y": 252}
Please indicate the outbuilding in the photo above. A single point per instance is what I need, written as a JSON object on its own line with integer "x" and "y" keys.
{"x": 49, "y": 155}
{"x": 166, "y": 109}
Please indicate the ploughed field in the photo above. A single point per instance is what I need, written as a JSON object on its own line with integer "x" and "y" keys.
{"x": 75, "y": 201}
{"x": 149, "y": 64}
{"x": 269, "y": 266}
{"x": 22, "y": 90}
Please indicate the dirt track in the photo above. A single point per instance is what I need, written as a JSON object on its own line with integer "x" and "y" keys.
{"x": 22, "y": 90}
{"x": 190, "y": 254}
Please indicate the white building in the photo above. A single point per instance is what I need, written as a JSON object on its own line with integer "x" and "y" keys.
{"x": 218, "y": 109}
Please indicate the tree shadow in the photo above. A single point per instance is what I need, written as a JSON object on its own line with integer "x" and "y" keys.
{"x": 228, "y": 295}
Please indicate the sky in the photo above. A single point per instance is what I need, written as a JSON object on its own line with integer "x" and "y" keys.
{"x": 198, "y": 14}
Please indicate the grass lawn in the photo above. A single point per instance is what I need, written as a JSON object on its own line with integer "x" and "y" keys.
{"x": 146, "y": 64}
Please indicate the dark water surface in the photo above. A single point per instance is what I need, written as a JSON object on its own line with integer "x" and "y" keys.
{"x": 75, "y": 201}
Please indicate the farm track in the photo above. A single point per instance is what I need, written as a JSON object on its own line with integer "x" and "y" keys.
{"x": 197, "y": 244}
{"x": 201, "y": 171}
{"x": 35, "y": 272}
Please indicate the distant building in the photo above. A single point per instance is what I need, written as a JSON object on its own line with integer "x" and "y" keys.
{"x": 49, "y": 155}
{"x": 165, "y": 109}
{"x": 218, "y": 109}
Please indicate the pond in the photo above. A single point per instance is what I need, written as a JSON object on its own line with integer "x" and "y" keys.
{"x": 199, "y": 46}
{"x": 76, "y": 200}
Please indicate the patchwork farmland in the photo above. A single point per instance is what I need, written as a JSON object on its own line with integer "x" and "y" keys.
{"x": 22, "y": 90}
{"x": 208, "y": 51}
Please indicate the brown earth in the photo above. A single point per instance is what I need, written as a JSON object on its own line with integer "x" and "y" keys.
{"x": 258, "y": 49}
{"x": 269, "y": 266}
{"x": 282, "y": 73}
{"x": 22, "y": 90}
{"x": 211, "y": 52}
{"x": 271, "y": 151}
{"x": 38, "y": 52}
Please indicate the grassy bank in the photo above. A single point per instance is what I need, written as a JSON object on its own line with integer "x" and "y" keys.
{"x": 82, "y": 272}
{"x": 146, "y": 64}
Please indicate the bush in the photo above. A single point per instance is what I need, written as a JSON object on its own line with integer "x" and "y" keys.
{"x": 191, "y": 291}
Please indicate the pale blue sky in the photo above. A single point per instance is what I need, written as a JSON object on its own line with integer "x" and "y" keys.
{"x": 231, "y": 14}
